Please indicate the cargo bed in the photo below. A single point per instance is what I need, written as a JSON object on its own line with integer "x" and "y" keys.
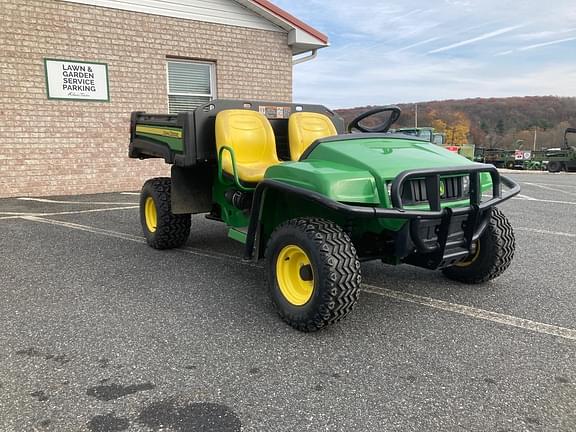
{"x": 187, "y": 139}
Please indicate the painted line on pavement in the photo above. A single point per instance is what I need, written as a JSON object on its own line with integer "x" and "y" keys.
{"x": 527, "y": 198}
{"x": 130, "y": 193}
{"x": 45, "y": 200}
{"x": 17, "y": 214}
{"x": 86, "y": 228}
{"x": 555, "y": 184}
{"x": 73, "y": 212}
{"x": 471, "y": 312}
{"x": 539, "y": 231}
{"x": 90, "y": 211}
{"x": 133, "y": 238}
{"x": 550, "y": 188}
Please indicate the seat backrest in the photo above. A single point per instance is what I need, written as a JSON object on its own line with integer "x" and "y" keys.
{"x": 248, "y": 133}
{"x": 304, "y": 128}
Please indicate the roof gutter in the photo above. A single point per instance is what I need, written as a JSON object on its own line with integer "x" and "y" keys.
{"x": 291, "y": 20}
{"x": 302, "y": 38}
{"x": 313, "y": 54}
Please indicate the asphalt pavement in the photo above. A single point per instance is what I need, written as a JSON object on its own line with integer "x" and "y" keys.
{"x": 101, "y": 333}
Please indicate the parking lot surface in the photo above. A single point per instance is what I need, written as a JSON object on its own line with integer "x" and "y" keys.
{"x": 99, "y": 332}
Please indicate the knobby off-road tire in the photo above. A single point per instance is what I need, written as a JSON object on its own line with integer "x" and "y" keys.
{"x": 554, "y": 166}
{"x": 162, "y": 229}
{"x": 317, "y": 252}
{"x": 497, "y": 245}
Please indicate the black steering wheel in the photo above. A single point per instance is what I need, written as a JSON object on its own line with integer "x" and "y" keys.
{"x": 381, "y": 128}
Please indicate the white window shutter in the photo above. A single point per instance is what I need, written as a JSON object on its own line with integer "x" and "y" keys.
{"x": 190, "y": 84}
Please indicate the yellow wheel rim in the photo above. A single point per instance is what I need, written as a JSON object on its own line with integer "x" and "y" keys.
{"x": 294, "y": 275}
{"x": 468, "y": 261}
{"x": 150, "y": 214}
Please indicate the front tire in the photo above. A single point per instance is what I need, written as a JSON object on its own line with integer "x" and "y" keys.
{"x": 313, "y": 273}
{"x": 162, "y": 228}
{"x": 494, "y": 253}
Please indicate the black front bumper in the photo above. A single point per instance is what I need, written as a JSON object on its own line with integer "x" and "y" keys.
{"x": 442, "y": 237}
{"x": 439, "y": 236}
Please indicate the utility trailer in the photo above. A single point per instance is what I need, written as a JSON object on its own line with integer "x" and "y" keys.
{"x": 315, "y": 198}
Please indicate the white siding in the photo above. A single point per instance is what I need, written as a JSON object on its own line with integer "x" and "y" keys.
{"x": 215, "y": 11}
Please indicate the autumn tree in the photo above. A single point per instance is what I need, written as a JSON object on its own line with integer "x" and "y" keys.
{"x": 439, "y": 125}
{"x": 455, "y": 126}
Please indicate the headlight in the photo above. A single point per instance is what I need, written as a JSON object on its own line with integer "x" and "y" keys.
{"x": 465, "y": 186}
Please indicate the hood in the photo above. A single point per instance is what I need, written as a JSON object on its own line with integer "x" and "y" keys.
{"x": 384, "y": 157}
{"x": 355, "y": 168}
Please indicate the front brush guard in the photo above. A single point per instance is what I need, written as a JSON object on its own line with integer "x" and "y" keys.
{"x": 478, "y": 212}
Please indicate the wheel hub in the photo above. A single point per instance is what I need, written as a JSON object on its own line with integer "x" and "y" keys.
{"x": 471, "y": 258}
{"x": 150, "y": 214}
{"x": 294, "y": 275}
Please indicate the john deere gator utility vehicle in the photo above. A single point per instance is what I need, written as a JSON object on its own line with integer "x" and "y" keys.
{"x": 314, "y": 199}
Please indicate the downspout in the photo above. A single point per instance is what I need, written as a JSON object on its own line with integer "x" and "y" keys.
{"x": 313, "y": 54}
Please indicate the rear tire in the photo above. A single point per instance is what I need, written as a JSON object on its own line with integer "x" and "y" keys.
{"x": 554, "y": 166}
{"x": 496, "y": 251}
{"x": 162, "y": 228}
{"x": 313, "y": 273}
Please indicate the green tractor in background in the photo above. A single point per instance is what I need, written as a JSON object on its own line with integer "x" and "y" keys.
{"x": 425, "y": 133}
{"x": 564, "y": 158}
{"x": 315, "y": 200}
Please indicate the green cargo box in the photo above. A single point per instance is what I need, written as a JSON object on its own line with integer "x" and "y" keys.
{"x": 187, "y": 139}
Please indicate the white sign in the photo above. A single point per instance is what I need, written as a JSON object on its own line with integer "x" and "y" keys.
{"x": 77, "y": 80}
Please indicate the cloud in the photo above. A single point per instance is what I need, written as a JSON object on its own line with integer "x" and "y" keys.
{"x": 417, "y": 44}
{"x": 543, "y": 44}
{"x": 477, "y": 39}
{"x": 543, "y": 34}
{"x": 406, "y": 15}
{"x": 503, "y": 53}
{"x": 459, "y": 3}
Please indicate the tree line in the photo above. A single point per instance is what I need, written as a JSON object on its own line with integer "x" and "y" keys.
{"x": 506, "y": 123}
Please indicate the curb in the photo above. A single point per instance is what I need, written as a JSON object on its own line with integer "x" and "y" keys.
{"x": 511, "y": 171}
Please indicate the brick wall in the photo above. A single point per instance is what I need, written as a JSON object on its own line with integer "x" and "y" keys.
{"x": 52, "y": 147}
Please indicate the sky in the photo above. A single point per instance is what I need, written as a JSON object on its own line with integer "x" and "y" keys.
{"x": 403, "y": 51}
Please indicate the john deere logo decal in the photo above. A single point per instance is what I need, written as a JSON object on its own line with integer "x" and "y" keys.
{"x": 170, "y": 133}
{"x": 442, "y": 190}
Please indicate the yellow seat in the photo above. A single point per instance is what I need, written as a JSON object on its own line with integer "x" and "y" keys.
{"x": 250, "y": 135}
{"x": 304, "y": 128}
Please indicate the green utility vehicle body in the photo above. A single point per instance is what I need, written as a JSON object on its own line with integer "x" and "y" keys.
{"x": 394, "y": 197}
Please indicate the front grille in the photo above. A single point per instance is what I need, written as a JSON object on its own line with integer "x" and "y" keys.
{"x": 451, "y": 188}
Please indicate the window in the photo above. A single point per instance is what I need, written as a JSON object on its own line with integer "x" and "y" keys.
{"x": 190, "y": 84}
{"x": 426, "y": 134}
